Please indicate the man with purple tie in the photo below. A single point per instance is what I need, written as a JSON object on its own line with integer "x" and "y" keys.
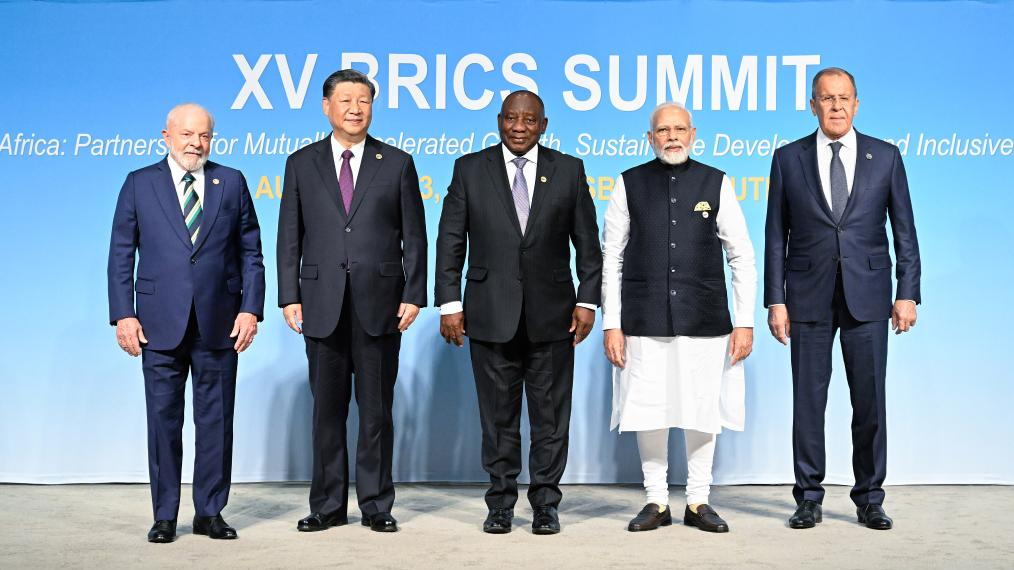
{"x": 351, "y": 280}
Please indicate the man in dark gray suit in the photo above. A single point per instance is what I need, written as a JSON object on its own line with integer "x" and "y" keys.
{"x": 352, "y": 261}
{"x": 517, "y": 207}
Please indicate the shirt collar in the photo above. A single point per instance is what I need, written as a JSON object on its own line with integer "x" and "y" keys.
{"x": 177, "y": 172}
{"x": 847, "y": 141}
{"x": 337, "y": 149}
{"x": 532, "y": 155}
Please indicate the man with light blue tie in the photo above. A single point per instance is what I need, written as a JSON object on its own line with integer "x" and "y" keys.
{"x": 827, "y": 271}
{"x": 191, "y": 226}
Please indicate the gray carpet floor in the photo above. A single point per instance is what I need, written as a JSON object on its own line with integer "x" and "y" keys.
{"x": 104, "y": 526}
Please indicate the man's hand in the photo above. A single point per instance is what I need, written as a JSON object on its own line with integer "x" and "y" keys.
{"x": 740, "y": 344}
{"x": 452, "y": 328}
{"x": 129, "y": 335}
{"x": 408, "y": 312}
{"x": 244, "y": 330}
{"x": 902, "y": 316}
{"x": 294, "y": 316}
{"x": 778, "y": 323}
{"x": 581, "y": 323}
{"x": 615, "y": 345}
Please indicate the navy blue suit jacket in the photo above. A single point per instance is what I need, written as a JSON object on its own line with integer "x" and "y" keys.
{"x": 803, "y": 244}
{"x": 220, "y": 276}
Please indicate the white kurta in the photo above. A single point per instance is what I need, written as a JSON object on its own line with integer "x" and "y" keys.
{"x": 680, "y": 381}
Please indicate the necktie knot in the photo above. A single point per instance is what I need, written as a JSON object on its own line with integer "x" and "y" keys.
{"x": 835, "y": 147}
{"x": 347, "y": 155}
{"x": 188, "y": 178}
{"x": 520, "y": 162}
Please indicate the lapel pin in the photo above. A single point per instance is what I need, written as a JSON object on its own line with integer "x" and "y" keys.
{"x": 379, "y": 156}
{"x": 542, "y": 179}
{"x": 704, "y": 214}
{"x": 869, "y": 156}
{"x": 702, "y": 206}
{"x": 214, "y": 181}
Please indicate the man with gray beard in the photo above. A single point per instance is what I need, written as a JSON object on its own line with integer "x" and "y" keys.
{"x": 191, "y": 226}
{"x": 665, "y": 230}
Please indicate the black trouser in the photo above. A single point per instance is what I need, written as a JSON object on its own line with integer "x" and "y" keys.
{"x": 864, "y": 348}
{"x": 165, "y": 385}
{"x": 545, "y": 372}
{"x": 333, "y": 361}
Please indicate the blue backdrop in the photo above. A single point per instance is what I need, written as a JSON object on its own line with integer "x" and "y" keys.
{"x": 86, "y": 88}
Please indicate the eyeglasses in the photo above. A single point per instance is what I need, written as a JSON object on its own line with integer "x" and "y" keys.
{"x": 829, "y": 100}
{"x": 677, "y": 130}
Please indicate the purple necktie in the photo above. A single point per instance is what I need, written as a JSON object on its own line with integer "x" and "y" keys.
{"x": 520, "y": 192}
{"x": 345, "y": 179}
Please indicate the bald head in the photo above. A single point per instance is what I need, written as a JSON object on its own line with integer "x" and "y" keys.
{"x": 188, "y": 131}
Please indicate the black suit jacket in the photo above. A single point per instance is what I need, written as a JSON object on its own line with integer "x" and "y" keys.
{"x": 378, "y": 248}
{"x": 508, "y": 270}
{"x": 804, "y": 245}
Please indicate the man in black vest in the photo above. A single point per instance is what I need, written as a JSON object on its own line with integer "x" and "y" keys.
{"x": 666, "y": 316}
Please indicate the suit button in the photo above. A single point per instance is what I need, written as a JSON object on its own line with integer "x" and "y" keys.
{"x": 674, "y": 222}
{"x": 673, "y": 292}
{"x": 672, "y": 270}
{"x": 347, "y": 230}
{"x": 672, "y": 246}
{"x": 673, "y": 178}
{"x": 673, "y": 200}
{"x": 841, "y": 229}
{"x": 193, "y": 261}
{"x": 341, "y": 266}
{"x": 835, "y": 258}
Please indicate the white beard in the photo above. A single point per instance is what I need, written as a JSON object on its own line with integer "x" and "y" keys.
{"x": 672, "y": 157}
{"x": 188, "y": 162}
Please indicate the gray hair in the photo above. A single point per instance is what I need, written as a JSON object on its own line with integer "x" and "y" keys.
{"x": 669, "y": 105}
{"x": 831, "y": 71}
{"x": 184, "y": 106}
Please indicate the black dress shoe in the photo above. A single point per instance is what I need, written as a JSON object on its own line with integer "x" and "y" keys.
{"x": 498, "y": 521}
{"x": 321, "y": 521}
{"x": 163, "y": 531}
{"x": 545, "y": 520}
{"x": 807, "y": 515}
{"x": 650, "y": 518}
{"x": 381, "y": 522}
{"x": 214, "y": 527}
{"x": 705, "y": 519}
{"x": 873, "y": 516}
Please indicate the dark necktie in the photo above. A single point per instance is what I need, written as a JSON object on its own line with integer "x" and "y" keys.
{"x": 839, "y": 184}
{"x": 519, "y": 189}
{"x": 192, "y": 211}
{"x": 345, "y": 180}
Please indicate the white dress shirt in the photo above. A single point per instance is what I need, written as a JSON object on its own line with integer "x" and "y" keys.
{"x": 847, "y": 153}
{"x": 178, "y": 172}
{"x": 529, "y": 173}
{"x": 357, "y": 157}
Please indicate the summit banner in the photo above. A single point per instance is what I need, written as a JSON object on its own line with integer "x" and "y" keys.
{"x": 86, "y": 89}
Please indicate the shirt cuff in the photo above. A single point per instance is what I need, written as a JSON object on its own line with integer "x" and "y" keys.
{"x": 610, "y": 322}
{"x": 909, "y": 300}
{"x": 588, "y": 306}
{"x": 451, "y": 308}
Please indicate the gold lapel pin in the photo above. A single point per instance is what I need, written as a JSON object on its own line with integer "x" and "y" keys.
{"x": 214, "y": 181}
{"x": 379, "y": 156}
{"x": 542, "y": 179}
{"x": 869, "y": 156}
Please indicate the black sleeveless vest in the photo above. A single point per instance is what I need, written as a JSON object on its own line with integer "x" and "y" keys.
{"x": 673, "y": 274}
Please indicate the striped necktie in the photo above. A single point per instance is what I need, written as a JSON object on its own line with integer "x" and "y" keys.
{"x": 192, "y": 211}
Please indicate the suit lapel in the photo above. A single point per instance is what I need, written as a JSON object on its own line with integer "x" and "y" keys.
{"x": 165, "y": 190}
{"x": 369, "y": 165}
{"x": 859, "y": 176}
{"x": 543, "y": 178}
{"x": 498, "y": 176}
{"x": 808, "y": 163}
{"x": 211, "y": 204}
{"x": 328, "y": 175}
